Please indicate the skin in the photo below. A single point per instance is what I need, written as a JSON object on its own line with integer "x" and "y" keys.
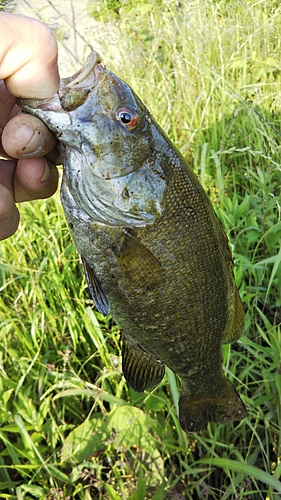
{"x": 27, "y": 147}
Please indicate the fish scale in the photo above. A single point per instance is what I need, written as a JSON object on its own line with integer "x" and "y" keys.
{"x": 154, "y": 252}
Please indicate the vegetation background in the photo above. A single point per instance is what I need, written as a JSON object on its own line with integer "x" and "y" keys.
{"x": 70, "y": 427}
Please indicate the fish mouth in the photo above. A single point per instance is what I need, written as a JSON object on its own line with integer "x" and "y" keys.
{"x": 74, "y": 90}
{"x": 83, "y": 77}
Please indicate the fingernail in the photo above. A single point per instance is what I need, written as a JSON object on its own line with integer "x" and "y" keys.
{"x": 47, "y": 171}
{"x": 34, "y": 146}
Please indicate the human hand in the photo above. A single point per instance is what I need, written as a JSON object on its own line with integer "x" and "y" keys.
{"x": 28, "y": 68}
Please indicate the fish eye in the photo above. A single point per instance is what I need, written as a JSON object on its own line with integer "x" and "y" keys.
{"x": 127, "y": 117}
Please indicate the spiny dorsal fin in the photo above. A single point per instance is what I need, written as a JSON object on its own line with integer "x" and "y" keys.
{"x": 140, "y": 369}
{"x": 95, "y": 289}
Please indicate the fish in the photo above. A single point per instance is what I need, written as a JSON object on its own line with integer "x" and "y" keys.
{"x": 154, "y": 252}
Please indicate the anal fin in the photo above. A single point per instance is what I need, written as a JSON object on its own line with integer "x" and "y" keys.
{"x": 140, "y": 369}
{"x": 97, "y": 294}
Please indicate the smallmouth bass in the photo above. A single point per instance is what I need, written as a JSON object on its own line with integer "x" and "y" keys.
{"x": 153, "y": 250}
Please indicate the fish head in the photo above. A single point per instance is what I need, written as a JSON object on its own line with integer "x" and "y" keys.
{"x": 112, "y": 165}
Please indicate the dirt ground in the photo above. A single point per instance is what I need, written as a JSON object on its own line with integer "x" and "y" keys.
{"x": 77, "y": 33}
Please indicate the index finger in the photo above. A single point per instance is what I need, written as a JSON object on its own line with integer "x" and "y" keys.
{"x": 28, "y": 57}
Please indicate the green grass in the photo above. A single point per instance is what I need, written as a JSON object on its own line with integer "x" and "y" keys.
{"x": 69, "y": 425}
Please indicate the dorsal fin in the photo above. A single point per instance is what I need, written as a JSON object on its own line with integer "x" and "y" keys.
{"x": 97, "y": 294}
{"x": 235, "y": 329}
{"x": 140, "y": 369}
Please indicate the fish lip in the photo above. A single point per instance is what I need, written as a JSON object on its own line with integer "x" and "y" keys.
{"x": 50, "y": 103}
{"x": 74, "y": 90}
{"x": 85, "y": 77}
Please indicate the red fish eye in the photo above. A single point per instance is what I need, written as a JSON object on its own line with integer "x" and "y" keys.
{"x": 127, "y": 117}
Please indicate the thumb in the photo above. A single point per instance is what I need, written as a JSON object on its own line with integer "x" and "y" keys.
{"x": 28, "y": 57}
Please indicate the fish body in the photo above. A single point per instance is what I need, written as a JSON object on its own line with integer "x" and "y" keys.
{"x": 154, "y": 252}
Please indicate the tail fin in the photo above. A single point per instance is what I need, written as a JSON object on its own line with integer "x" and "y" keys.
{"x": 222, "y": 407}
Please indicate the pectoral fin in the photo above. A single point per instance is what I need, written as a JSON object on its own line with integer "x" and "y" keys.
{"x": 97, "y": 294}
{"x": 137, "y": 262}
{"x": 140, "y": 369}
